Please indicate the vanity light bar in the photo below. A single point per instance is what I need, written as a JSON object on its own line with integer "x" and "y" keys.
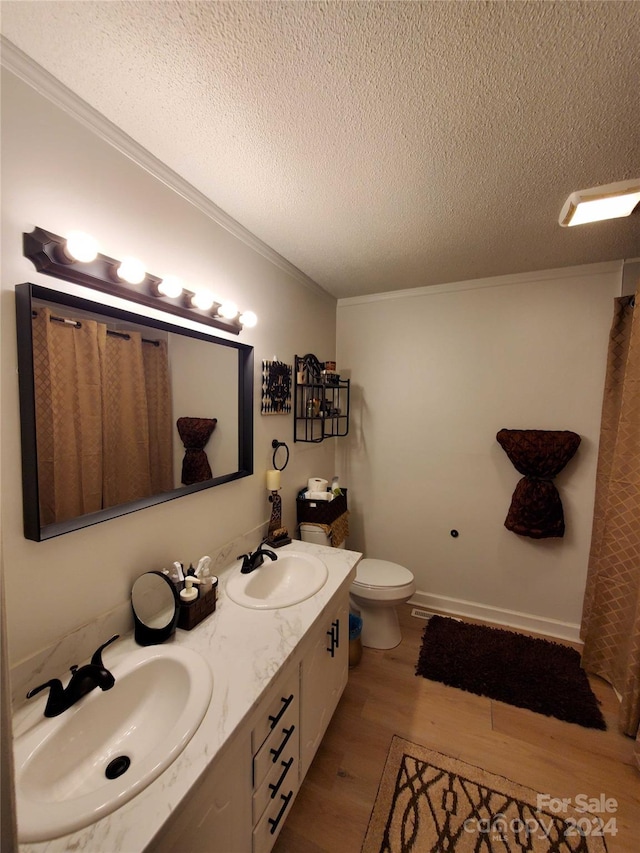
{"x": 49, "y": 254}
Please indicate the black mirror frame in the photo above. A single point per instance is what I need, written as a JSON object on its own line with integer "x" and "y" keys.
{"x": 25, "y": 295}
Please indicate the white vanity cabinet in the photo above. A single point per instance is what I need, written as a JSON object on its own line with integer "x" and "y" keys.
{"x": 277, "y": 678}
{"x": 324, "y": 673}
{"x": 296, "y": 728}
{"x": 242, "y": 800}
{"x": 216, "y": 814}
{"x": 275, "y": 743}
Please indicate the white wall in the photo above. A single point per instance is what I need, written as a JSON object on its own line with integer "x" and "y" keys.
{"x": 58, "y": 174}
{"x": 205, "y": 393}
{"x": 437, "y": 372}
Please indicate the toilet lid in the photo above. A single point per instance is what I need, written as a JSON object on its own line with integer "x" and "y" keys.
{"x": 382, "y": 573}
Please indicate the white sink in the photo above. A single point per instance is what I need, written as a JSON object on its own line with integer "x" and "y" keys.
{"x": 158, "y": 701}
{"x": 292, "y": 578}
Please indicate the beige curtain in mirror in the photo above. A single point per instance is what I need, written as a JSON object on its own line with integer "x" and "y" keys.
{"x": 103, "y": 416}
{"x": 127, "y": 472}
{"x": 68, "y": 416}
{"x": 159, "y": 414}
{"x": 611, "y": 615}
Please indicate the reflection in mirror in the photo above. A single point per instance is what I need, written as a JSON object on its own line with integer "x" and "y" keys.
{"x": 105, "y": 396}
{"x": 155, "y": 606}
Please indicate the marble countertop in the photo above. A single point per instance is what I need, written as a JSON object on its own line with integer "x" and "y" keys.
{"x": 245, "y": 649}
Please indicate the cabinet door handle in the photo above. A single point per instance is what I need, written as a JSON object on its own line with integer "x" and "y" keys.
{"x": 334, "y": 634}
{"x": 276, "y": 752}
{"x": 274, "y": 821}
{"x": 275, "y": 788}
{"x": 332, "y": 641}
{"x": 285, "y": 704}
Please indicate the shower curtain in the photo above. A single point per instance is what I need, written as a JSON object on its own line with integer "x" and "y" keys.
{"x": 103, "y": 416}
{"x": 611, "y": 614}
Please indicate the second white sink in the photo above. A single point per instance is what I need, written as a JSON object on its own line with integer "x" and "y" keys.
{"x": 292, "y": 578}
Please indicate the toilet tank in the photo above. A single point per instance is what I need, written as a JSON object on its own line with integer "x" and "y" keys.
{"x": 316, "y": 535}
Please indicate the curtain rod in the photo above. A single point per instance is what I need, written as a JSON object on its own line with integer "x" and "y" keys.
{"x": 78, "y": 325}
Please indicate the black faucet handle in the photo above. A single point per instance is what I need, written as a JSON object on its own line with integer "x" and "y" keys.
{"x": 54, "y": 684}
{"x": 96, "y": 659}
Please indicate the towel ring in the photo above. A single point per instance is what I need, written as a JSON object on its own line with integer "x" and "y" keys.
{"x": 276, "y": 446}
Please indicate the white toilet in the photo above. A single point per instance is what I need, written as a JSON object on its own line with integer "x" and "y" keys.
{"x": 379, "y": 587}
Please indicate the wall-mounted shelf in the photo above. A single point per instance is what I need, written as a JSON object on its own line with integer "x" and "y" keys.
{"x": 321, "y": 406}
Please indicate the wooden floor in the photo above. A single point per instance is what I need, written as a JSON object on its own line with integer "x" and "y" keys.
{"x": 384, "y": 697}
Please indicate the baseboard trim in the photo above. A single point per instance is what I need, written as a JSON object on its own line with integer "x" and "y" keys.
{"x": 497, "y": 615}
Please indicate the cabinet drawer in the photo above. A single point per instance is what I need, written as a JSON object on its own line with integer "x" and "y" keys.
{"x": 270, "y": 824}
{"x": 279, "y": 740}
{"x": 274, "y": 711}
{"x": 281, "y": 776}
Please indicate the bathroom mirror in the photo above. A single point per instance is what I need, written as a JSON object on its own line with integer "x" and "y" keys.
{"x": 102, "y": 440}
{"x": 155, "y": 604}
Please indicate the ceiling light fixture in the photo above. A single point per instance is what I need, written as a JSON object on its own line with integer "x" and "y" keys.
{"x": 597, "y": 203}
{"x": 76, "y": 261}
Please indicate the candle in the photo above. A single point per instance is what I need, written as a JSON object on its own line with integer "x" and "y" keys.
{"x": 273, "y": 480}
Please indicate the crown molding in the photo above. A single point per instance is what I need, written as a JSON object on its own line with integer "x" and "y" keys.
{"x": 581, "y": 271}
{"x": 18, "y": 63}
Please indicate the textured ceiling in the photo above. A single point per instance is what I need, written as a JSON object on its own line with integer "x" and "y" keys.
{"x": 375, "y": 145}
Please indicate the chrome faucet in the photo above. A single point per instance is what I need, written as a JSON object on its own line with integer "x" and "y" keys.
{"x": 83, "y": 681}
{"x": 251, "y": 562}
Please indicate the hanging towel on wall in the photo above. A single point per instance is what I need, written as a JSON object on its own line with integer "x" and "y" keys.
{"x": 195, "y": 433}
{"x": 539, "y": 454}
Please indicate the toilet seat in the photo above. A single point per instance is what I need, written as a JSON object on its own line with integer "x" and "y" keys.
{"x": 382, "y": 581}
{"x": 381, "y": 574}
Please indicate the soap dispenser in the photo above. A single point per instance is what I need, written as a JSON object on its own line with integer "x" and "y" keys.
{"x": 189, "y": 594}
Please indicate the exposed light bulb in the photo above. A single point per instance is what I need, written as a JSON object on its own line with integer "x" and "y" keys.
{"x": 248, "y": 319}
{"x": 132, "y": 270}
{"x": 81, "y": 247}
{"x": 228, "y": 310}
{"x": 203, "y": 299}
{"x": 170, "y": 286}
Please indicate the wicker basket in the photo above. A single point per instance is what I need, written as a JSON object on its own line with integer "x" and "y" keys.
{"x": 321, "y": 512}
{"x": 192, "y": 614}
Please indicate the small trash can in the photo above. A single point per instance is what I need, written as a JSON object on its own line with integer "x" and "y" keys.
{"x": 355, "y": 641}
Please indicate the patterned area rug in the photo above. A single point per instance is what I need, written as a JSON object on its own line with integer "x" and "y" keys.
{"x": 528, "y": 672}
{"x": 431, "y": 803}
